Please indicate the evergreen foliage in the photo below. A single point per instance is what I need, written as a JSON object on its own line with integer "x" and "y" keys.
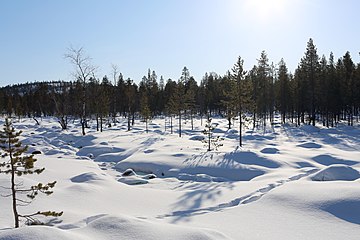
{"x": 210, "y": 140}
{"x": 16, "y": 165}
{"x": 321, "y": 90}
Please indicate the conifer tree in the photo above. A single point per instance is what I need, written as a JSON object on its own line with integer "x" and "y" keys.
{"x": 309, "y": 66}
{"x": 170, "y": 99}
{"x": 145, "y": 110}
{"x": 284, "y": 91}
{"x": 240, "y": 92}
{"x": 16, "y": 164}
{"x": 210, "y": 139}
{"x": 229, "y": 98}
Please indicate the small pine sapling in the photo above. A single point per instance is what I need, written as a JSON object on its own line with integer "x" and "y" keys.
{"x": 210, "y": 139}
{"x": 16, "y": 164}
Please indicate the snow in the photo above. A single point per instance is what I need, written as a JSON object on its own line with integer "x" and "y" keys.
{"x": 336, "y": 172}
{"x": 286, "y": 182}
{"x": 113, "y": 227}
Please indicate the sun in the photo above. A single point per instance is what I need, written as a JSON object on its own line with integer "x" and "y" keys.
{"x": 265, "y": 10}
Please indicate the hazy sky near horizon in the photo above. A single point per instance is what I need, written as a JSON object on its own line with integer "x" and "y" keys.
{"x": 166, "y": 35}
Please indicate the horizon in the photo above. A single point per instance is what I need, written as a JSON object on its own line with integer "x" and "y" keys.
{"x": 204, "y": 36}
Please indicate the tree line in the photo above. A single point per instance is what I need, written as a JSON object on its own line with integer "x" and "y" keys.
{"x": 321, "y": 90}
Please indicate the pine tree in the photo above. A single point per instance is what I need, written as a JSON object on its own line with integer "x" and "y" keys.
{"x": 170, "y": 100}
{"x": 310, "y": 69}
{"x": 145, "y": 110}
{"x": 210, "y": 139}
{"x": 17, "y": 165}
{"x": 240, "y": 96}
{"x": 349, "y": 87}
{"x": 180, "y": 95}
{"x": 263, "y": 87}
{"x": 191, "y": 89}
{"x": 284, "y": 91}
{"x": 229, "y": 98}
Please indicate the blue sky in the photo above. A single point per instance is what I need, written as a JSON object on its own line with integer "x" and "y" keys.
{"x": 166, "y": 35}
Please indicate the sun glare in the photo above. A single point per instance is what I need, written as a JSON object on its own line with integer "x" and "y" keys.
{"x": 265, "y": 10}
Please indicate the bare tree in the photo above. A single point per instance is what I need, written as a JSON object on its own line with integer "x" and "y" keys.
{"x": 115, "y": 73}
{"x": 83, "y": 71}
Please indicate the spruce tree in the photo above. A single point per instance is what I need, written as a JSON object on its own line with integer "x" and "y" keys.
{"x": 17, "y": 164}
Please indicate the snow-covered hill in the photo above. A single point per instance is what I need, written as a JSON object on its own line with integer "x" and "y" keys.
{"x": 284, "y": 183}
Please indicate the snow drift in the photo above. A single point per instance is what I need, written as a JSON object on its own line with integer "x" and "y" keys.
{"x": 113, "y": 227}
{"x": 336, "y": 172}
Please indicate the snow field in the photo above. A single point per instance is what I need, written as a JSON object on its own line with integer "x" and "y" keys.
{"x": 285, "y": 183}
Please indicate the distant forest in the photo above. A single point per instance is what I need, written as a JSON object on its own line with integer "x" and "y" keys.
{"x": 321, "y": 90}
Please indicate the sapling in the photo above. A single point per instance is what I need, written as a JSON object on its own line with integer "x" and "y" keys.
{"x": 16, "y": 164}
{"x": 210, "y": 139}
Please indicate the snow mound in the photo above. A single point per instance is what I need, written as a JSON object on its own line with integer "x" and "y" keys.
{"x": 86, "y": 177}
{"x": 130, "y": 177}
{"x": 310, "y": 145}
{"x": 133, "y": 180}
{"x": 197, "y": 138}
{"x": 128, "y": 172}
{"x": 111, "y": 157}
{"x": 38, "y": 233}
{"x": 270, "y": 150}
{"x": 207, "y": 167}
{"x": 200, "y": 178}
{"x": 336, "y": 172}
{"x": 111, "y": 227}
{"x": 98, "y": 150}
{"x": 127, "y": 228}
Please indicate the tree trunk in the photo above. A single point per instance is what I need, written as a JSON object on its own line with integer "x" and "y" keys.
{"x": 114, "y": 116}
{"x": 229, "y": 121}
{"x": 240, "y": 130}
{"x": 283, "y": 117}
{"x": 63, "y": 122}
{"x": 209, "y": 141}
{"x": 13, "y": 190}
{"x": 179, "y": 124}
{"x": 13, "y": 193}
{"x": 192, "y": 120}
{"x": 128, "y": 116}
{"x": 83, "y": 126}
{"x": 254, "y": 120}
{"x": 171, "y": 125}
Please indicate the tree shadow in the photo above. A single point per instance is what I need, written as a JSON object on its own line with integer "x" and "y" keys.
{"x": 250, "y": 158}
{"x": 328, "y": 160}
{"x": 194, "y": 198}
{"x": 341, "y": 137}
{"x": 226, "y": 166}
